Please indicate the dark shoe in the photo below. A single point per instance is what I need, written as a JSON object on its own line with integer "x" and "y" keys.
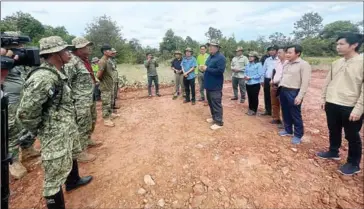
{"x": 234, "y": 98}
{"x": 74, "y": 180}
{"x": 242, "y": 101}
{"x": 193, "y": 102}
{"x": 158, "y": 95}
{"x": 348, "y": 169}
{"x": 185, "y": 101}
{"x": 284, "y": 133}
{"x": 276, "y": 122}
{"x": 56, "y": 201}
{"x": 201, "y": 99}
{"x": 328, "y": 155}
{"x": 266, "y": 114}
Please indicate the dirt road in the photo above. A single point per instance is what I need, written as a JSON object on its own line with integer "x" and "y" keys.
{"x": 244, "y": 165}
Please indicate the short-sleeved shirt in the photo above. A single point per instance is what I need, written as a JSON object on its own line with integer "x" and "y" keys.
{"x": 176, "y": 64}
{"x": 187, "y": 64}
{"x": 151, "y": 67}
{"x": 106, "y": 82}
{"x": 239, "y": 63}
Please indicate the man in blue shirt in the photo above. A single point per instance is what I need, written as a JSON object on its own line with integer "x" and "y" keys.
{"x": 189, "y": 64}
{"x": 269, "y": 65}
{"x": 214, "y": 80}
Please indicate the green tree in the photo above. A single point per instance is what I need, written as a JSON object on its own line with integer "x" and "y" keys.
{"x": 308, "y": 26}
{"x": 317, "y": 47}
{"x": 213, "y": 34}
{"x": 278, "y": 39}
{"x": 332, "y": 30}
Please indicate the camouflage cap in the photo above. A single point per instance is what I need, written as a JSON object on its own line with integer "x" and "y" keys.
{"x": 95, "y": 59}
{"x": 12, "y": 33}
{"x": 239, "y": 49}
{"x": 52, "y": 44}
{"x": 177, "y": 52}
{"x": 113, "y": 50}
{"x": 188, "y": 49}
{"x": 214, "y": 43}
{"x": 253, "y": 54}
{"x": 80, "y": 42}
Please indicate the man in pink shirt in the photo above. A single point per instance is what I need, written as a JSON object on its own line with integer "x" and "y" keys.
{"x": 276, "y": 78}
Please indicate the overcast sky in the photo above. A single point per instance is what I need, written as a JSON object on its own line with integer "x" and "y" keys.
{"x": 148, "y": 21}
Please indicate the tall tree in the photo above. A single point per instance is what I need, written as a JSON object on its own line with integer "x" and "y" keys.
{"x": 308, "y": 26}
{"x": 213, "y": 34}
{"x": 278, "y": 39}
{"x": 332, "y": 30}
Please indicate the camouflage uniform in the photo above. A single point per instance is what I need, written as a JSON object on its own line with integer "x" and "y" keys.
{"x": 106, "y": 86}
{"x": 82, "y": 85}
{"x": 115, "y": 82}
{"x": 49, "y": 111}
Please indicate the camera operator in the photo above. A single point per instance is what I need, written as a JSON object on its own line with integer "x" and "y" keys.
{"x": 12, "y": 86}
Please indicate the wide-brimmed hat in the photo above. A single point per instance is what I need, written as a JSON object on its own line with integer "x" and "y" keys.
{"x": 52, "y": 44}
{"x": 188, "y": 49}
{"x": 177, "y": 52}
{"x": 113, "y": 50}
{"x": 214, "y": 43}
{"x": 81, "y": 42}
{"x": 253, "y": 54}
{"x": 95, "y": 59}
{"x": 239, "y": 49}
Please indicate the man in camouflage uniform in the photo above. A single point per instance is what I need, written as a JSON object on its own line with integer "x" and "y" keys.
{"x": 82, "y": 82}
{"x": 112, "y": 60}
{"x": 95, "y": 68}
{"x": 47, "y": 109}
{"x": 13, "y": 85}
{"x": 105, "y": 75}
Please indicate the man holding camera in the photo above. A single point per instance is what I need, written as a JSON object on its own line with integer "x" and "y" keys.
{"x": 18, "y": 137}
{"x": 151, "y": 65}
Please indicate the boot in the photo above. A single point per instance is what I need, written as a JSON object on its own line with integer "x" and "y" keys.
{"x": 108, "y": 122}
{"x": 93, "y": 143}
{"x": 116, "y": 107}
{"x": 85, "y": 157}
{"x": 56, "y": 201}
{"x": 28, "y": 153}
{"x": 74, "y": 180}
{"x": 114, "y": 115}
{"x": 17, "y": 170}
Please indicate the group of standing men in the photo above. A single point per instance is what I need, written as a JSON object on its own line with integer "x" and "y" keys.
{"x": 56, "y": 103}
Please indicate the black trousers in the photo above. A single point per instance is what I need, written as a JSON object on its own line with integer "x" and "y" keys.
{"x": 97, "y": 93}
{"x": 190, "y": 89}
{"x": 253, "y": 96}
{"x": 267, "y": 101}
{"x": 156, "y": 84}
{"x": 337, "y": 119}
{"x": 214, "y": 99}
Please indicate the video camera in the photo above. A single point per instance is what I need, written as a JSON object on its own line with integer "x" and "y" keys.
{"x": 28, "y": 56}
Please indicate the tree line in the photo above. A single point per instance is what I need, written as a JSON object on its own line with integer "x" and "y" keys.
{"x": 317, "y": 39}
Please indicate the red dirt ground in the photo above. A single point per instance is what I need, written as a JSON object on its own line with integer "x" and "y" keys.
{"x": 244, "y": 165}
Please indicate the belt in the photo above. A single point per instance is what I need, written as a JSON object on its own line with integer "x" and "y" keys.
{"x": 289, "y": 89}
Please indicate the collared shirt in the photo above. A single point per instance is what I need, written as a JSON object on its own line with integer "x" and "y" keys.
{"x": 176, "y": 64}
{"x": 214, "y": 74}
{"x": 269, "y": 65}
{"x": 151, "y": 67}
{"x": 255, "y": 72}
{"x": 201, "y": 60}
{"x": 187, "y": 64}
{"x": 239, "y": 63}
{"x": 296, "y": 75}
{"x": 344, "y": 84}
{"x": 106, "y": 81}
{"x": 279, "y": 68}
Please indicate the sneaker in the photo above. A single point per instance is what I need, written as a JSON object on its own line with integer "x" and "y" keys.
{"x": 209, "y": 120}
{"x": 348, "y": 169}
{"x": 296, "y": 140}
{"x": 17, "y": 170}
{"x": 215, "y": 127}
{"x": 85, "y": 157}
{"x": 284, "y": 133}
{"x": 193, "y": 102}
{"x": 114, "y": 115}
{"x": 251, "y": 113}
{"x": 109, "y": 123}
{"x": 234, "y": 98}
{"x": 328, "y": 155}
{"x": 29, "y": 153}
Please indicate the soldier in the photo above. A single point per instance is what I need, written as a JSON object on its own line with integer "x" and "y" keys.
{"x": 47, "y": 109}
{"x": 105, "y": 75}
{"x": 95, "y": 68}
{"x": 13, "y": 85}
{"x": 116, "y": 80}
{"x": 82, "y": 82}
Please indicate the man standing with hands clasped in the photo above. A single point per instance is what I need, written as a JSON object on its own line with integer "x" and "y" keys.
{"x": 238, "y": 67}
{"x": 342, "y": 100}
{"x": 178, "y": 74}
{"x": 214, "y": 81}
{"x": 188, "y": 68}
{"x": 151, "y": 65}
